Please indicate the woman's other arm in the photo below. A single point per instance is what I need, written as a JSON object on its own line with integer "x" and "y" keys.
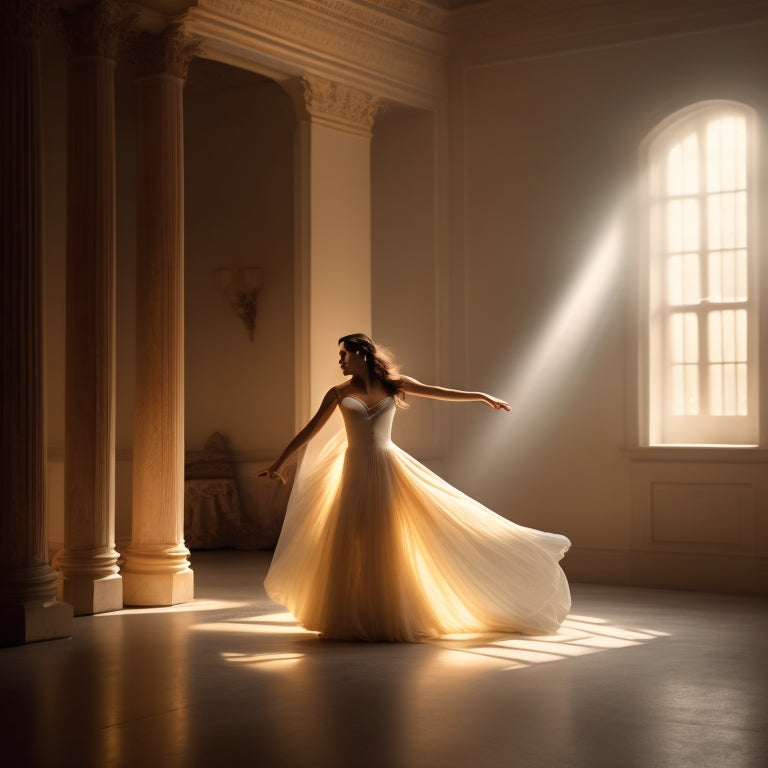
{"x": 414, "y": 387}
{"x": 314, "y": 425}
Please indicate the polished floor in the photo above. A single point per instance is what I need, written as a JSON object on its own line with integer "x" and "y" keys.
{"x": 635, "y": 678}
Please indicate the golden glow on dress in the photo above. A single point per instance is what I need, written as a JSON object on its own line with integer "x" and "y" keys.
{"x": 377, "y": 547}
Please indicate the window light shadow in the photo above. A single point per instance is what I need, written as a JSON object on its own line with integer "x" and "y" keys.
{"x": 577, "y": 636}
{"x": 268, "y": 624}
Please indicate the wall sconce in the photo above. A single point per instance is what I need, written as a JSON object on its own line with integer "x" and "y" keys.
{"x": 239, "y": 286}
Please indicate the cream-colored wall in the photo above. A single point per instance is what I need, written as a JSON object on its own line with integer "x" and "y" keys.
{"x": 336, "y": 174}
{"x": 550, "y": 147}
{"x": 408, "y": 270}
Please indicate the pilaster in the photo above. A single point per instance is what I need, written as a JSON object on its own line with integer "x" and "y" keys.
{"x": 156, "y": 570}
{"x": 333, "y": 225}
{"x": 29, "y": 610}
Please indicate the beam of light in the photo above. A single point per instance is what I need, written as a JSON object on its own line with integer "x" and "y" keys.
{"x": 537, "y": 386}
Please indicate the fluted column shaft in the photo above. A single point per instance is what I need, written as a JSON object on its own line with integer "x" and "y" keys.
{"x": 156, "y": 570}
{"x": 28, "y": 608}
{"x": 90, "y": 577}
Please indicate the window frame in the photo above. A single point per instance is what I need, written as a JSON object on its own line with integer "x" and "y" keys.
{"x": 656, "y": 427}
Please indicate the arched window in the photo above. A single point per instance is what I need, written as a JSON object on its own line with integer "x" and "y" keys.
{"x": 700, "y": 310}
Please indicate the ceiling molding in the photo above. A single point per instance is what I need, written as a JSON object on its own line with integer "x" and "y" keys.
{"x": 401, "y": 49}
{"x": 353, "y": 42}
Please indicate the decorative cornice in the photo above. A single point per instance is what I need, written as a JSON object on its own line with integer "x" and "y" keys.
{"x": 96, "y": 29}
{"x": 395, "y": 18}
{"x": 357, "y": 42}
{"x": 324, "y": 101}
{"x": 169, "y": 53}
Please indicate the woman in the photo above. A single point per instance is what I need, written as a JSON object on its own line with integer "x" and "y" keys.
{"x": 377, "y": 547}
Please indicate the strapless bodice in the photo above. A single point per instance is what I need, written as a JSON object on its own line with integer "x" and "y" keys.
{"x": 368, "y": 427}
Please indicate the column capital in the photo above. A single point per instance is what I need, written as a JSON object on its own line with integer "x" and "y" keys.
{"x": 168, "y": 53}
{"x": 23, "y": 19}
{"x": 97, "y": 28}
{"x": 341, "y": 106}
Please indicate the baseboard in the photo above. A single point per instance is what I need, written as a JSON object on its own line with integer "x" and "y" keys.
{"x": 668, "y": 570}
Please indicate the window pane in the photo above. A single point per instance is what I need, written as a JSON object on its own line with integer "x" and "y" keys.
{"x": 682, "y": 225}
{"x": 727, "y": 220}
{"x": 726, "y": 144}
{"x": 715, "y": 337}
{"x": 728, "y": 351}
{"x": 728, "y": 389}
{"x": 728, "y": 336}
{"x": 741, "y": 336}
{"x": 727, "y": 275}
{"x": 683, "y": 279}
{"x": 742, "y": 399}
{"x": 716, "y": 390}
{"x": 683, "y": 167}
{"x": 684, "y": 337}
{"x": 691, "y": 338}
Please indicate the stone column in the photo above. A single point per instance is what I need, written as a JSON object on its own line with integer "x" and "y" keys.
{"x": 90, "y": 578}
{"x": 333, "y": 226}
{"x": 28, "y": 607}
{"x": 156, "y": 570}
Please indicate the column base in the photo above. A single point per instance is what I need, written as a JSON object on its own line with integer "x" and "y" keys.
{"x": 88, "y": 595}
{"x": 31, "y": 622}
{"x": 155, "y": 589}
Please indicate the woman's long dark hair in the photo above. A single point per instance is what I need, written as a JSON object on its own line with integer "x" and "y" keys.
{"x": 381, "y": 364}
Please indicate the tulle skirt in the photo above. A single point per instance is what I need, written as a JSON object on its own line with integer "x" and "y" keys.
{"x": 377, "y": 547}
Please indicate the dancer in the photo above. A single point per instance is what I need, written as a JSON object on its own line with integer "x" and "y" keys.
{"x": 377, "y": 547}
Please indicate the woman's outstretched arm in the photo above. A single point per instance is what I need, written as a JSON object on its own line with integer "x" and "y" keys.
{"x": 314, "y": 425}
{"x": 414, "y": 387}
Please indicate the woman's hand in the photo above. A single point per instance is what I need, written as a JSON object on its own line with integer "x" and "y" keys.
{"x": 272, "y": 472}
{"x": 496, "y": 403}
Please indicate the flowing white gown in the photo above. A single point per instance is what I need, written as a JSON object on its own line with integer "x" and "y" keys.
{"x": 377, "y": 547}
